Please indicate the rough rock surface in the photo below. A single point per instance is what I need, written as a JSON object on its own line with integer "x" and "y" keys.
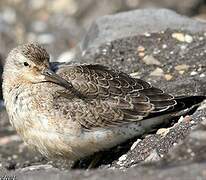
{"x": 113, "y": 27}
{"x": 171, "y": 56}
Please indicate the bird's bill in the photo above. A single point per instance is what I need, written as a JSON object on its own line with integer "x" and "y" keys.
{"x": 53, "y": 77}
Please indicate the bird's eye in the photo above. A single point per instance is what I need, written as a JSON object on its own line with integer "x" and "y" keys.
{"x": 26, "y": 64}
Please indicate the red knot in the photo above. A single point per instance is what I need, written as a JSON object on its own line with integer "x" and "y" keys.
{"x": 76, "y": 110}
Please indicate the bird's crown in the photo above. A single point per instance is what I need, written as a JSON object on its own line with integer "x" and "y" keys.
{"x": 34, "y": 52}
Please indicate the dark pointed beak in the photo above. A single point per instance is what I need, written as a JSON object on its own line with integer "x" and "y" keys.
{"x": 53, "y": 77}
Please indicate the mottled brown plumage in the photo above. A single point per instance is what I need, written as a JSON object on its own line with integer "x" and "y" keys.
{"x": 80, "y": 109}
{"x": 118, "y": 98}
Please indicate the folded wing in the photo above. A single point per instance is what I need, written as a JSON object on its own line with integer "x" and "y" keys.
{"x": 111, "y": 98}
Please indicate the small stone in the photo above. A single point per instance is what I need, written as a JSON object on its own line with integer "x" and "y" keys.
{"x": 150, "y": 60}
{"x": 188, "y": 38}
{"x": 147, "y": 34}
{"x": 193, "y": 73}
{"x": 123, "y": 157}
{"x": 163, "y": 131}
{"x": 156, "y": 51}
{"x": 157, "y": 72}
{"x": 168, "y": 77}
{"x": 199, "y": 69}
{"x": 182, "y": 67}
{"x": 140, "y": 49}
{"x": 201, "y": 38}
{"x": 14, "y": 156}
{"x": 164, "y": 46}
{"x": 182, "y": 37}
{"x": 135, "y": 144}
{"x": 202, "y": 75}
{"x": 141, "y": 54}
{"x": 181, "y": 119}
{"x": 183, "y": 47}
{"x": 179, "y": 36}
{"x": 181, "y": 72}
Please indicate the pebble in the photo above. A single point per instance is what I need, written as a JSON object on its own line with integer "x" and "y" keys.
{"x": 181, "y": 119}
{"x": 123, "y": 157}
{"x": 14, "y": 156}
{"x": 183, "y": 47}
{"x": 168, "y": 77}
{"x": 156, "y": 51}
{"x": 181, "y": 72}
{"x": 135, "y": 144}
{"x": 201, "y": 38}
{"x": 163, "y": 131}
{"x": 141, "y": 54}
{"x": 188, "y": 38}
{"x": 147, "y": 34}
{"x": 150, "y": 60}
{"x": 182, "y": 67}
{"x": 157, "y": 72}
{"x": 179, "y": 36}
{"x": 193, "y": 73}
{"x": 140, "y": 49}
{"x": 182, "y": 37}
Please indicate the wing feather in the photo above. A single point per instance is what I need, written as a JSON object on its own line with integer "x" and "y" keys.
{"x": 111, "y": 97}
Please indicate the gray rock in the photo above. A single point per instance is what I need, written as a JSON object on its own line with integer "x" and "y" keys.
{"x": 186, "y": 7}
{"x": 149, "y": 172}
{"x": 112, "y": 27}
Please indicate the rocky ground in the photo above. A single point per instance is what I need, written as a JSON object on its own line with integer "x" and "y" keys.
{"x": 159, "y": 46}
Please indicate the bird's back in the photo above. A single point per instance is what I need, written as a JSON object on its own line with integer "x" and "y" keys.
{"x": 116, "y": 97}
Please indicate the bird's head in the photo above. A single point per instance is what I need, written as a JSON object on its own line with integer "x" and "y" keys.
{"x": 30, "y": 63}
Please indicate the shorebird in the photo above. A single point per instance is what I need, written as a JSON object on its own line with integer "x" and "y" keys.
{"x": 73, "y": 111}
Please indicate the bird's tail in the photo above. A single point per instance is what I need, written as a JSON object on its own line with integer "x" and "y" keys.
{"x": 187, "y": 104}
